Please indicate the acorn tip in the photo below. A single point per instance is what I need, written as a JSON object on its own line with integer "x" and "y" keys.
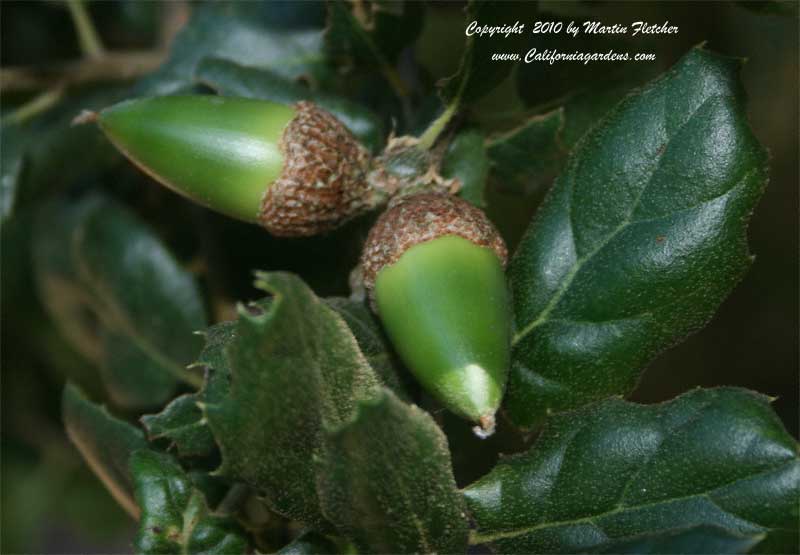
{"x": 86, "y": 116}
{"x": 486, "y": 426}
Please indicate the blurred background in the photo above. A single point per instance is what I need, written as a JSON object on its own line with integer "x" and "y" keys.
{"x": 51, "y": 502}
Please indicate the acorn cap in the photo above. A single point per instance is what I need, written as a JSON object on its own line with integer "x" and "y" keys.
{"x": 323, "y": 181}
{"x": 423, "y": 217}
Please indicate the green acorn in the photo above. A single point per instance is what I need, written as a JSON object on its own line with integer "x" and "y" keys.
{"x": 296, "y": 170}
{"x": 433, "y": 267}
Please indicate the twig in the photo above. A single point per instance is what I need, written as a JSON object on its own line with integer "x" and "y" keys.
{"x": 435, "y": 129}
{"x": 91, "y": 45}
{"x": 35, "y": 106}
{"x": 114, "y": 66}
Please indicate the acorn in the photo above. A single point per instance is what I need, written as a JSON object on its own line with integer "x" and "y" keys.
{"x": 295, "y": 170}
{"x": 433, "y": 266}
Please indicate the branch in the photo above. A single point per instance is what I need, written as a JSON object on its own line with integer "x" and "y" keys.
{"x": 91, "y": 45}
{"x": 40, "y": 103}
{"x": 113, "y": 66}
{"x": 432, "y": 133}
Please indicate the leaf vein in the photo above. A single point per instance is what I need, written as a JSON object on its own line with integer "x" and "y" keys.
{"x": 479, "y": 538}
{"x": 545, "y": 313}
{"x": 693, "y": 418}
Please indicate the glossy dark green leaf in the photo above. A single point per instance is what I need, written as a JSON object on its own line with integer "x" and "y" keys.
{"x": 295, "y": 367}
{"x": 105, "y": 442}
{"x": 700, "y": 540}
{"x": 639, "y": 241}
{"x": 120, "y": 297}
{"x": 478, "y": 74}
{"x": 219, "y": 30}
{"x": 614, "y": 471}
{"x": 386, "y": 482}
{"x": 528, "y": 157}
{"x": 466, "y": 160}
{"x": 585, "y": 106}
{"x": 372, "y": 34}
{"x": 175, "y": 516}
{"x": 310, "y": 543}
{"x": 183, "y": 421}
{"x": 372, "y": 341}
{"x": 232, "y": 79}
{"x": 46, "y": 152}
{"x": 29, "y": 335}
{"x": 364, "y": 41}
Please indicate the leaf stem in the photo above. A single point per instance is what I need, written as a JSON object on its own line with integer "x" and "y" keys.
{"x": 428, "y": 138}
{"x": 91, "y": 45}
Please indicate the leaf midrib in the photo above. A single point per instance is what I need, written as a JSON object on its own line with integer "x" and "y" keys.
{"x": 581, "y": 261}
{"x": 108, "y": 310}
{"x": 200, "y": 422}
{"x": 477, "y": 538}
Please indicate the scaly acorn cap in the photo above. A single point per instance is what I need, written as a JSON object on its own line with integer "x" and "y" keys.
{"x": 433, "y": 265}
{"x": 323, "y": 181}
{"x": 418, "y": 218}
{"x": 296, "y": 170}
